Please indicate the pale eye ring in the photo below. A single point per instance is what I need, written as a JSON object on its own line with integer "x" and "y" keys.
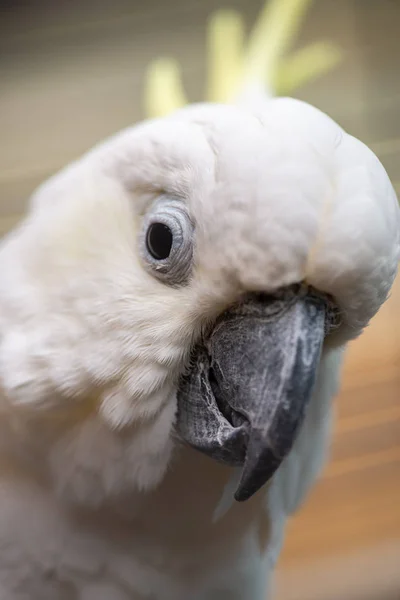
{"x": 166, "y": 241}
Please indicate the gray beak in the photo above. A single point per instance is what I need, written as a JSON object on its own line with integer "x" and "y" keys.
{"x": 245, "y": 396}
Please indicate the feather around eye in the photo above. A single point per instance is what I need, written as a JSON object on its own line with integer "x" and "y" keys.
{"x": 166, "y": 241}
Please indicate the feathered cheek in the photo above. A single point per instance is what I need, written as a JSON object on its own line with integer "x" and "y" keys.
{"x": 138, "y": 397}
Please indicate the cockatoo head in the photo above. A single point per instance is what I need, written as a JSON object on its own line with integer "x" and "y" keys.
{"x": 179, "y": 281}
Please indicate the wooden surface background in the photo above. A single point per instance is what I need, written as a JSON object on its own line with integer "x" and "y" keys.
{"x": 71, "y": 73}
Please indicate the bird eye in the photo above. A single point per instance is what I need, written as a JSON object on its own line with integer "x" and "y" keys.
{"x": 159, "y": 240}
{"x": 166, "y": 241}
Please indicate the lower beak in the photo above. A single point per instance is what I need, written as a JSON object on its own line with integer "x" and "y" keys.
{"x": 245, "y": 397}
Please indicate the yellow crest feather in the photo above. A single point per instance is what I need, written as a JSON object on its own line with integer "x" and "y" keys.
{"x": 234, "y": 66}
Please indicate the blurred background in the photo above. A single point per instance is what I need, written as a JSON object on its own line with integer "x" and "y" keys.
{"x": 71, "y": 73}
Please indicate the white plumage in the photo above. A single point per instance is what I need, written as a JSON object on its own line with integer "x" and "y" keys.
{"x": 98, "y": 500}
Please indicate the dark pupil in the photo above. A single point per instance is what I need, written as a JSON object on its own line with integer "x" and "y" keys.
{"x": 159, "y": 240}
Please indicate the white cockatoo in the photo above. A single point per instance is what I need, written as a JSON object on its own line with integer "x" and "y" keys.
{"x": 173, "y": 313}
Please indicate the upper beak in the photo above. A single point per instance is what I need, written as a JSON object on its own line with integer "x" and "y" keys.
{"x": 244, "y": 399}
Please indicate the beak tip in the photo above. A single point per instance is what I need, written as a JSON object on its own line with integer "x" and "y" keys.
{"x": 240, "y": 496}
{"x": 244, "y": 493}
{"x": 254, "y": 479}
